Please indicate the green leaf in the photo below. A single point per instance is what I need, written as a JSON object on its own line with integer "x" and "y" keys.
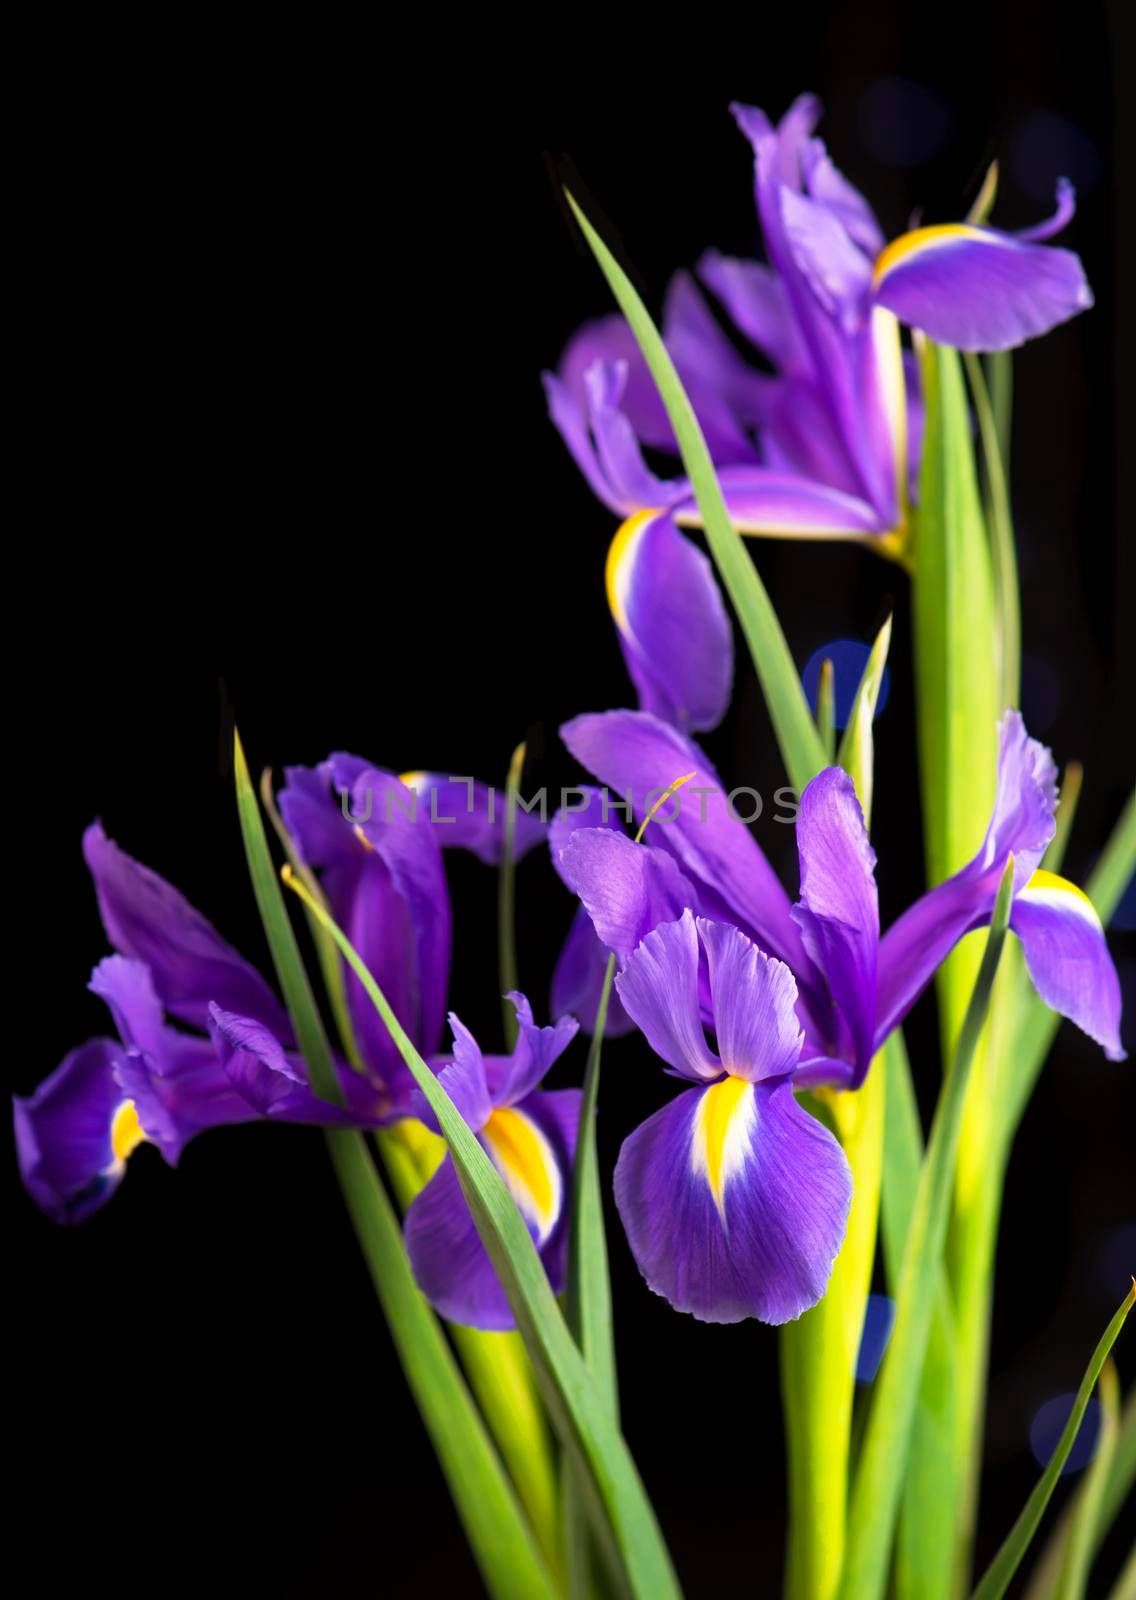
{"x": 1082, "y": 1534}
{"x": 506, "y": 899}
{"x": 956, "y": 668}
{"x": 826, "y": 709}
{"x": 880, "y": 1470}
{"x": 856, "y": 753}
{"x": 618, "y": 1503}
{"x": 290, "y": 971}
{"x": 1007, "y": 600}
{"x": 797, "y": 736}
{"x": 499, "y": 1536}
{"x": 588, "y": 1293}
{"x": 924, "y": 1557}
{"x": 997, "y": 1576}
{"x": 587, "y": 1299}
{"x": 819, "y": 1351}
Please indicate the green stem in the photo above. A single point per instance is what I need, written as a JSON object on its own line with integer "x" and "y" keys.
{"x": 494, "y": 1525}
{"x": 1007, "y": 600}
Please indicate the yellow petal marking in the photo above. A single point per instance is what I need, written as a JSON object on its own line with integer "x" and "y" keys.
{"x": 721, "y": 1106}
{"x": 126, "y": 1132}
{"x": 909, "y": 244}
{"x": 619, "y": 553}
{"x": 527, "y": 1164}
{"x": 1049, "y": 880}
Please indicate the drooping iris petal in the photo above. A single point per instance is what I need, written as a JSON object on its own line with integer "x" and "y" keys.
{"x": 838, "y": 912}
{"x": 673, "y": 628}
{"x": 1021, "y": 824}
{"x": 735, "y": 1202}
{"x": 70, "y": 1158}
{"x": 660, "y": 992}
{"x": 470, "y": 815}
{"x": 1068, "y": 958}
{"x": 451, "y": 1265}
{"x": 979, "y": 289}
{"x": 191, "y": 965}
{"x": 752, "y": 998}
{"x": 640, "y": 757}
{"x": 627, "y": 889}
{"x": 532, "y": 1145}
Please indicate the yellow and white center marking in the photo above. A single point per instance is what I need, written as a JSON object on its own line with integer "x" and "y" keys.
{"x": 1047, "y": 889}
{"x": 621, "y": 563}
{"x": 525, "y": 1160}
{"x": 917, "y": 242}
{"x": 723, "y": 1124}
{"x": 126, "y": 1132}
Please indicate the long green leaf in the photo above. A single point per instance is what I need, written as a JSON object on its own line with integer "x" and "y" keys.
{"x": 818, "y": 1356}
{"x": 1116, "y": 1489}
{"x": 1007, "y": 600}
{"x": 997, "y": 1576}
{"x": 857, "y": 750}
{"x": 796, "y": 732}
{"x": 588, "y": 1294}
{"x": 924, "y": 1556}
{"x": 587, "y": 1299}
{"x": 577, "y": 1408}
{"x": 1082, "y": 1534}
{"x": 819, "y": 1350}
{"x": 880, "y": 1470}
{"x": 499, "y": 1536}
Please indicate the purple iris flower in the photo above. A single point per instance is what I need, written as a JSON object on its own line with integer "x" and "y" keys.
{"x": 530, "y": 1136}
{"x": 826, "y": 445}
{"x": 732, "y": 1209}
{"x": 157, "y": 1082}
{"x": 376, "y": 842}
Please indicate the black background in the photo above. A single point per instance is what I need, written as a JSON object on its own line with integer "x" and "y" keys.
{"x": 285, "y": 302}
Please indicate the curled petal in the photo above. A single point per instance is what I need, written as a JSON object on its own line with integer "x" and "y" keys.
{"x": 673, "y": 628}
{"x": 1068, "y": 958}
{"x": 65, "y": 1134}
{"x": 978, "y": 289}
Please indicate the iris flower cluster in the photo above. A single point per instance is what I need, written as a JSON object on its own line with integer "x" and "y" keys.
{"x": 759, "y": 997}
